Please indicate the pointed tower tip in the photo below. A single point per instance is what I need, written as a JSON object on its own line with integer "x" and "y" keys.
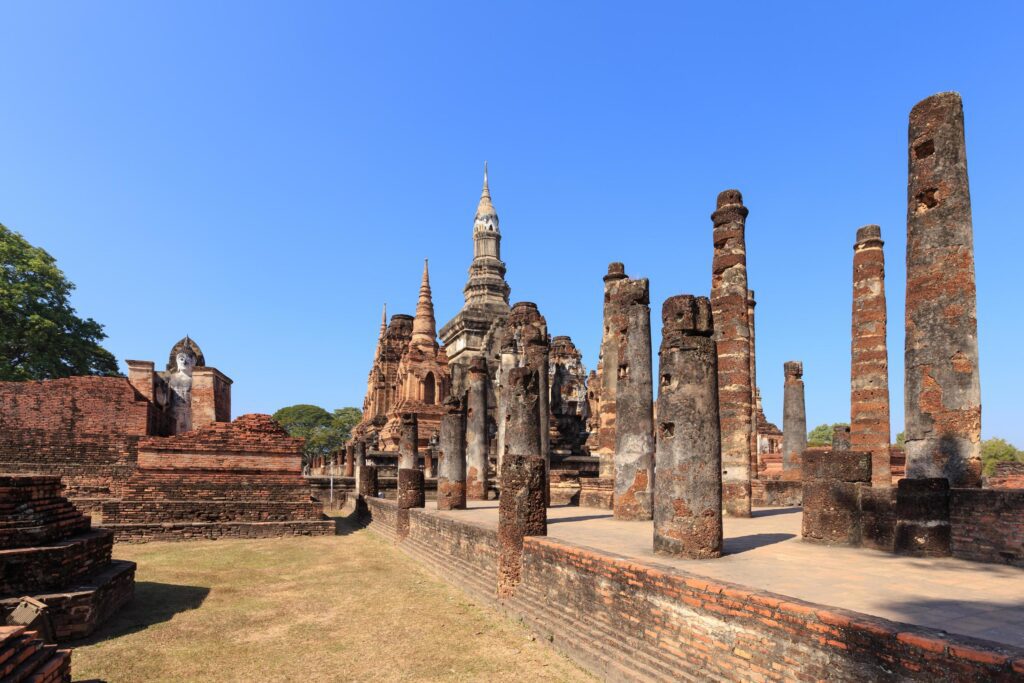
{"x": 487, "y": 190}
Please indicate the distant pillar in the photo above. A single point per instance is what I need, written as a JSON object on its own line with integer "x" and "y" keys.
{"x": 943, "y": 391}
{"x": 869, "y": 368}
{"x": 349, "y": 459}
{"x": 688, "y": 486}
{"x": 359, "y": 455}
{"x": 634, "y": 403}
{"x": 608, "y": 377}
{"x": 732, "y": 332}
{"x": 476, "y": 431}
{"x": 754, "y": 468}
{"x": 840, "y": 438}
{"x": 451, "y": 475}
{"x": 408, "y": 442}
{"x": 794, "y": 418}
{"x": 428, "y": 461}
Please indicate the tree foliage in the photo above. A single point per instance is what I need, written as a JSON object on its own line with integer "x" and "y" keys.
{"x": 901, "y": 439}
{"x": 998, "y": 450}
{"x": 822, "y": 434}
{"x": 324, "y": 432}
{"x": 41, "y": 337}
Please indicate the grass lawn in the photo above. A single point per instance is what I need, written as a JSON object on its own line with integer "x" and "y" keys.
{"x": 340, "y": 608}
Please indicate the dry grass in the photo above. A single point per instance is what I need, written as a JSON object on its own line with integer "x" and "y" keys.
{"x": 341, "y": 608}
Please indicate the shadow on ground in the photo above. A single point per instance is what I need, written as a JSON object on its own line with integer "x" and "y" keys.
{"x": 741, "y": 544}
{"x": 153, "y": 603}
{"x": 580, "y": 518}
{"x": 771, "y": 512}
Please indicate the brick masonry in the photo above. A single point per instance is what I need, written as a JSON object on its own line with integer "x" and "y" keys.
{"x": 25, "y": 657}
{"x": 623, "y": 620}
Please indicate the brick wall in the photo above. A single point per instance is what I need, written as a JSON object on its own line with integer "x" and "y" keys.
{"x": 1007, "y": 475}
{"x": 627, "y": 621}
{"x": 83, "y": 429}
{"x": 775, "y": 493}
{"x": 987, "y": 525}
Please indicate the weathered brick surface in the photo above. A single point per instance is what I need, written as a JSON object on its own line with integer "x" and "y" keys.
{"x": 877, "y": 516}
{"x": 210, "y": 531}
{"x": 775, "y": 493}
{"x": 521, "y": 513}
{"x": 987, "y": 525}
{"x": 922, "y": 517}
{"x": 1007, "y": 475}
{"x": 25, "y": 657}
{"x": 34, "y": 512}
{"x": 831, "y": 498}
{"x": 83, "y": 429}
{"x": 628, "y": 621}
{"x": 597, "y": 492}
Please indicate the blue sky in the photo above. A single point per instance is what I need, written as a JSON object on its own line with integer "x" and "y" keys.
{"x": 263, "y": 176}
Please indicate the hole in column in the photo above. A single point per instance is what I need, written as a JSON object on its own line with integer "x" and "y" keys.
{"x": 924, "y": 149}
{"x": 668, "y": 428}
{"x": 926, "y": 199}
{"x": 623, "y": 371}
{"x": 666, "y": 380}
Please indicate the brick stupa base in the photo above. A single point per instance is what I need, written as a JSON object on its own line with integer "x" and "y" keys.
{"x": 240, "y": 479}
{"x": 25, "y": 657}
{"x": 49, "y": 551}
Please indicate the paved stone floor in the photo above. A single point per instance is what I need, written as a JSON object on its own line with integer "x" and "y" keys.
{"x": 765, "y": 551}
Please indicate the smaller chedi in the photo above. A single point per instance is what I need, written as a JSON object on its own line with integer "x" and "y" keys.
{"x": 188, "y": 394}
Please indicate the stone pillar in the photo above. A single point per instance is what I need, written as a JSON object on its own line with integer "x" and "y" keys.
{"x": 476, "y": 430}
{"x": 428, "y": 460}
{"x": 732, "y": 332}
{"x": 754, "y": 467}
{"x": 942, "y": 389}
{"x": 869, "y": 367}
{"x": 350, "y": 456}
{"x": 522, "y": 419}
{"x": 688, "y": 487}
{"x": 608, "y": 375}
{"x": 794, "y": 419}
{"x": 831, "y": 510}
{"x": 360, "y": 459}
{"x": 366, "y": 476}
{"x": 634, "y": 401}
{"x": 451, "y": 475}
{"x": 841, "y": 438}
{"x": 521, "y": 512}
{"x": 408, "y": 442}
{"x": 410, "y": 488}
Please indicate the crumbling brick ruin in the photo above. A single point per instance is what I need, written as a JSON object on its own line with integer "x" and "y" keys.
{"x": 25, "y": 656}
{"x": 732, "y": 335}
{"x": 49, "y": 550}
{"x": 688, "y": 485}
{"x": 236, "y": 479}
{"x": 568, "y": 386}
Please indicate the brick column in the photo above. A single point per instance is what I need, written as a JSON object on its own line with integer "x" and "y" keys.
{"x": 410, "y": 495}
{"x": 754, "y": 468}
{"x": 942, "y": 389}
{"x": 522, "y": 419}
{"x": 634, "y": 402}
{"x": 521, "y": 512}
{"x": 360, "y": 459}
{"x": 408, "y": 442}
{"x": 688, "y": 488}
{"x": 869, "y": 369}
{"x": 350, "y": 465}
{"x": 831, "y": 509}
{"x": 609, "y": 363}
{"x": 476, "y": 430}
{"x": 451, "y": 475}
{"x": 366, "y": 477}
{"x": 841, "y": 438}
{"x": 794, "y": 419}
{"x": 732, "y": 335}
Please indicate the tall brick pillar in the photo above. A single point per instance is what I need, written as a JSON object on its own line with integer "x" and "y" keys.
{"x": 476, "y": 430}
{"x": 350, "y": 457}
{"x": 942, "y": 388}
{"x": 366, "y": 476}
{"x": 360, "y": 459}
{"x": 609, "y": 362}
{"x": 754, "y": 468}
{"x": 732, "y": 335}
{"x": 408, "y": 442}
{"x": 451, "y": 474}
{"x": 634, "y": 402}
{"x": 521, "y": 513}
{"x": 688, "y": 488}
{"x": 794, "y": 419}
{"x": 869, "y": 368}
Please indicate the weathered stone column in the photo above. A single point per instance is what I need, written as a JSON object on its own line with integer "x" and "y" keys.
{"x": 366, "y": 477}
{"x": 408, "y": 443}
{"x": 732, "y": 332}
{"x": 831, "y": 514}
{"x": 869, "y": 368}
{"x": 476, "y": 430}
{"x": 608, "y": 374}
{"x": 349, "y": 459}
{"x": 754, "y": 468}
{"x": 634, "y": 402}
{"x": 522, "y": 419}
{"x": 943, "y": 391}
{"x": 428, "y": 460}
{"x": 410, "y": 488}
{"x": 688, "y": 486}
{"x": 794, "y": 419}
{"x": 451, "y": 476}
{"x": 360, "y": 459}
{"x": 521, "y": 512}
{"x": 841, "y": 438}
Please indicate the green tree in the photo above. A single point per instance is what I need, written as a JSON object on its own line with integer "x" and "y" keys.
{"x": 822, "y": 434}
{"x": 41, "y": 337}
{"x": 998, "y": 450}
{"x": 901, "y": 439}
{"x": 324, "y": 432}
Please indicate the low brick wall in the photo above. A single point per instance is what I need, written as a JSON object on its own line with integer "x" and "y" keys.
{"x": 627, "y": 621}
{"x": 210, "y": 531}
{"x": 772, "y": 493}
{"x": 987, "y": 525}
{"x": 26, "y": 571}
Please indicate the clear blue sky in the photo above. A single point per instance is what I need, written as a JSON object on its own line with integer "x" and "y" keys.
{"x": 263, "y": 176}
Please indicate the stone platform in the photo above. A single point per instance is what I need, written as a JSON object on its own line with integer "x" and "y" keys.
{"x": 765, "y": 552}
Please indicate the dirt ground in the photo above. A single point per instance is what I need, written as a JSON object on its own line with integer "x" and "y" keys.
{"x": 344, "y": 608}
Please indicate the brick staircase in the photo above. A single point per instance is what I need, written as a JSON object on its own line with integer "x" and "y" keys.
{"x": 25, "y": 657}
